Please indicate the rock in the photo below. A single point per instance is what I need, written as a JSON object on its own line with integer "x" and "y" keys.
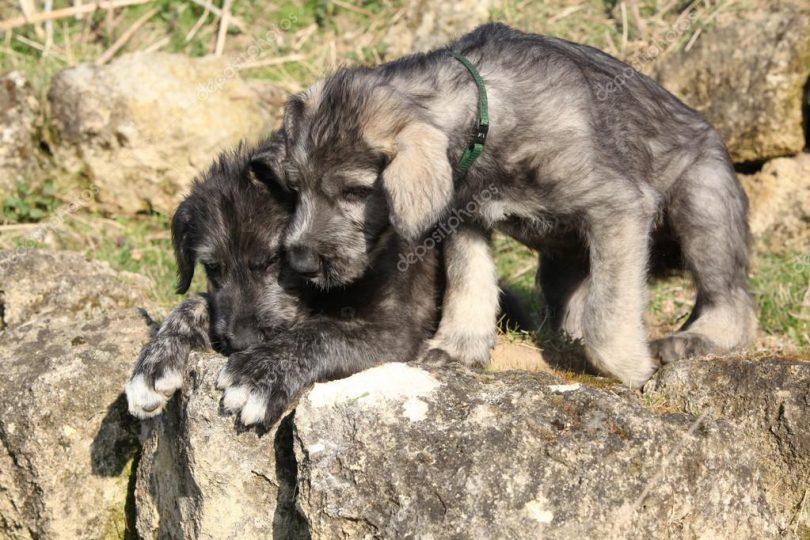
{"x": 19, "y": 110}
{"x": 400, "y": 450}
{"x": 68, "y": 444}
{"x": 779, "y": 198}
{"x": 142, "y": 126}
{"x": 62, "y": 286}
{"x": 202, "y": 477}
{"x": 769, "y": 403}
{"x": 746, "y": 74}
{"x": 425, "y": 25}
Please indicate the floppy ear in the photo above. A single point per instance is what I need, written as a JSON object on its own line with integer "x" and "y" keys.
{"x": 267, "y": 170}
{"x": 183, "y": 250}
{"x": 418, "y": 182}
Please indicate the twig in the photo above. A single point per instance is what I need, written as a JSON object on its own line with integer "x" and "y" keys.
{"x": 197, "y": 25}
{"x": 692, "y": 40}
{"x": 216, "y": 12}
{"x": 350, "y": 7}
{"x": 38, "y": 46}
{"x": 271, "y": 61}
{"x": 224, "y": 21}
{"x": 19, "y": 227}
{"x": 625, "y": 29}
{"x": 157, "y": 45}
{"x": 121, "y": 41}
{"x": 68, "y": 45}
{"x": 29, "y": 11}
{"x": 642, "y": 26}
{"x": 564, "y": 13}
{"x": 78, "y": 9}
{"x": 48, "y": 27}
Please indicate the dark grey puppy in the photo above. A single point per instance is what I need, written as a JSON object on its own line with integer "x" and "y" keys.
{"x": 282, "y": 334}
{"x": 586, "y": 161}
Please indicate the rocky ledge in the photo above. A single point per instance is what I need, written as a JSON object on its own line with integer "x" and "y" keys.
{"x": 711, "y": 447}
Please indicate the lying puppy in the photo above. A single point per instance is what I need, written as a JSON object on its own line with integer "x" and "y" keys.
{"x": 282, "y": 334}
{"x": 584, "y": 175}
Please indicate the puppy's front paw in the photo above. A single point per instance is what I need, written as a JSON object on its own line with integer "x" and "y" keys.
{"x": 148, "y": 396}
{"x": 254, "y": 388}
{"x": 157, "y": 376}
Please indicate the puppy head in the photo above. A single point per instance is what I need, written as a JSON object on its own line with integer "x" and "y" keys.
{"x": 361, "y": 158}
{"x": 232, "y": 223}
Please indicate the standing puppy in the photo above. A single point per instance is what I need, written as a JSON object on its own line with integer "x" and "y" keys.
{"x": 586, "y": 176}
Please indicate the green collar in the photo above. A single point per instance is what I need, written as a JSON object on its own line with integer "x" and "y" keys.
{"x": 475, "y": 148}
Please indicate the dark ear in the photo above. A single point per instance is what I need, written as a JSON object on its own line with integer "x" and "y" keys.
{"x": 182, "y": 229}
{"x": 267, "y": 169}
{"x": 418, "y": 182}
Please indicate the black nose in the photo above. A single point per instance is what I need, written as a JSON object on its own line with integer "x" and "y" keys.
{"x": 304, "y": 261}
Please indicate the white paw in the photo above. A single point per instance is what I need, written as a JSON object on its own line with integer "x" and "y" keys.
{"x": 224, "y": 379}
{"x": 254, "y": 410}
{"x": 144, "y": 402}
{"x": 169, "y": 383}
{"x": 235, "y": 398}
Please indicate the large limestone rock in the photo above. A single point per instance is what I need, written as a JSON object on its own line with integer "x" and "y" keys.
{"x": 779, "y": 198}
{"x": 202, "y": 477}
{"x": 402, "y": 450}
{"x": 70, "y": 339}
{"x": 19, "y": 110}
{"x": 768, "y": 402}
{"x": 142, "y": 126}
{"x": 62, "y": 287}
{"x": 746, "y": 74}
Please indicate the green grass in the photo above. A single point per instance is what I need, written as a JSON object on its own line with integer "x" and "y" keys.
{"x": 780, "y": 285}
{"x": 29, "y": 203}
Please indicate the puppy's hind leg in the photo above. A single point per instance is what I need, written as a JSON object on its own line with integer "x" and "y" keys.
{"x": 708, "y": 214}
{"x": 468, "y": 325}
{"x": 158, "y": 372}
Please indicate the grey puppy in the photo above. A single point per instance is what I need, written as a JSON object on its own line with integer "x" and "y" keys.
{"x": 587, "y": 161}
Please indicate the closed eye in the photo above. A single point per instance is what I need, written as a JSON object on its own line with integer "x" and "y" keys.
{"x": 262, "y": 265}
{"x": 356, "y": 193}
{"x": 213, "y": 272}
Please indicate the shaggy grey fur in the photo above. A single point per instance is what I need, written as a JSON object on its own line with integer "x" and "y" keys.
{"x": 591, "y": 160}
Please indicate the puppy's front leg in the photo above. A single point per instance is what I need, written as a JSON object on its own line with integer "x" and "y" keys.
{"x": 264, "y": 380}
{"x": 159, "y": 370}
{"x": 468, "y": 325}
{"x": 612, "y": 319}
